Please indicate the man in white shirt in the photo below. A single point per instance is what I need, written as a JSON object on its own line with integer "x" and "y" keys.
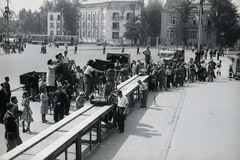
{"x": 144, "y": 89}
{"x": 121, "y": 110}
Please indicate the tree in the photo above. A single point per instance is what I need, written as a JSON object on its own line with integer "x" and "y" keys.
{"x": 70, "y": 15}
{"x": 133, "y": 29}
{"x": 154, "y": 9}
{"x": 225, "y": 18}
{"x": 183, "y": 9}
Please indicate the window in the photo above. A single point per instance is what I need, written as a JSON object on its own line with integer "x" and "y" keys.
{"x": 167, "y": 33}
{"x": 58, "y": 25}
{"x": 93, "y": 17}
{"x": 115, "y": 16}
{"x": 172, "y": 34}
{"x": 51, "y": 32}
{"x": 89, "y": 33}
{"x": 94, "y": 24}
{"x": 115, "y": 35}
{"x": 51, "y": 17}
{"x": 83, "y": 16}
{"x": 193, "y": 34}
{"x": 51, "y": 25}
{"x": 129, "y": 15}
{"x": 93, "y": 34}
{"x": 84, "y": 25}
{"x": 58, "y": 33}
{"x": 58, "y": 18}
{"x": 173, "y": 20}
{"x": 208, "y": 35}
{"x": 83, "y": 33}
{"x": 115, "y": 26}
{"x": 89, "y": 25}
{"x": 89, "y": 17}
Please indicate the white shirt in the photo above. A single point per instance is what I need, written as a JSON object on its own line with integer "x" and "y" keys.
{"x": 122, "y": 101}
{"x": 143, "y": 86}
{"x": 89, "y": 70}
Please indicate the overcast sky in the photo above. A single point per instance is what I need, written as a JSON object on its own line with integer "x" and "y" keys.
{"x": 17, "y": 5}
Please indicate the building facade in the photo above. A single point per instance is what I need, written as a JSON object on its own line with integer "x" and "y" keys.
{"x": 54, "y": 23}
{"x": 169, "y": 35}
{"x": 104, "y": 20}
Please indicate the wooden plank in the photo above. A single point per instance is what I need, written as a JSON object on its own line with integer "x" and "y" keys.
{"x": 72, "y": 134}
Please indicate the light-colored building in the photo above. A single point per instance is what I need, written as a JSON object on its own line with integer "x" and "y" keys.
{"x": 169, "y": 22}
{"x": 54, "y": 23}
{"x": 105, "y": 19}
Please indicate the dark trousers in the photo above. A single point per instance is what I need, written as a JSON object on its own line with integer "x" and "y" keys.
{"x": 58, "y": 113}
{"x": 168, "y": 80}
{"x": 120, "y": 118}
{"x": 88, "y": 85}
{"x": 144, "y": 98}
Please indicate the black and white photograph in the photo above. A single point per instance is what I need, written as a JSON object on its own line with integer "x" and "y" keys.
{"x": 120, "y": 79}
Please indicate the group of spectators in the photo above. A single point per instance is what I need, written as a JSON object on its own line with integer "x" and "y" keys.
{"x": 61, "y": 82}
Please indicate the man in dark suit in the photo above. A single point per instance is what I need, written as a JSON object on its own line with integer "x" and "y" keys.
{"x": 11, "y": 128}
{"x": 3, "y": 101}
{"x": 8, "y": 88}
{"x": 60, "y": 100}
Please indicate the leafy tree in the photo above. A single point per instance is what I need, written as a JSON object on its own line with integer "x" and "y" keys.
{"x": 133, "y": 29}
{"x": 225, "y": 18}
{"x": 154, "y": 13}
{"x": 70, "y": 15}
{"x": 183, "y": 8}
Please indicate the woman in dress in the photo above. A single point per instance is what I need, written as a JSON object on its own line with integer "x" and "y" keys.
{"x": 44, "y": 104}
{"x": 27, "y": 112}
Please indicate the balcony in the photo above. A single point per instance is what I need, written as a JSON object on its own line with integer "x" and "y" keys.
{"x": 116, "y": 18}
{"x": 115, "y": 28}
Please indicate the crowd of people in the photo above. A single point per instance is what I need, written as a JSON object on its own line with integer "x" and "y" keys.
{"x": 62, "y": 82}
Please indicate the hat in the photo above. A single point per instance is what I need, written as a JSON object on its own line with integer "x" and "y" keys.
{"x": 81, "y": 93}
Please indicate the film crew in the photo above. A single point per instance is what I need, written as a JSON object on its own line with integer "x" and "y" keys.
{"x": 121, "y": 110}
{"x": 11, "y": 128}
{"x": 88, "y": 81}
{"x": 144, "y": 90}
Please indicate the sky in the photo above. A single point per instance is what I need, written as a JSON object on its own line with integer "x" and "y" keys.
{"x": 17, "y": 5}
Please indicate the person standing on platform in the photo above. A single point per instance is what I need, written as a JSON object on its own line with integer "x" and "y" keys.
{"x": 33, "y": 82}
{"x": 144, "y": 89}
{"x": 50, "y": 77}
{"x": 88, "y": 81}
{"x": 121, "y": 110}
{"x": 147, "y": 54}
{"x": 11, "y": 128}
{"x": 3, "y": 101}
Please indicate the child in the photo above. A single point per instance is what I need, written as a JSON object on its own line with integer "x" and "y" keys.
{"x": 44, "y": 104}
{"x": 80, "y": 101}
{"x": 27, "y": 112}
